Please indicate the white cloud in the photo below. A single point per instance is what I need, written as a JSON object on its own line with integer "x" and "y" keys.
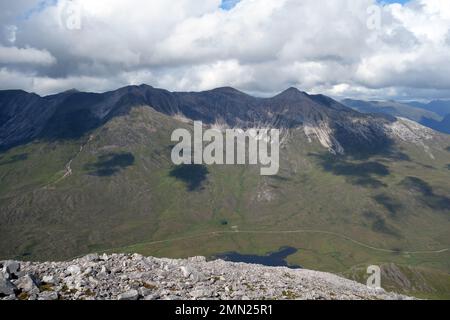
{"x": 14, "y": 55}
{"x": 10, "y": 33}
{"x": 261, "y": 46}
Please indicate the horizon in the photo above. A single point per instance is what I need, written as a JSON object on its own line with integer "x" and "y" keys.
{"x": 260, "y": 95}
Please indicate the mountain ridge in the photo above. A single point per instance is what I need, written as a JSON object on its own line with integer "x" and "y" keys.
{"x": 71, "y": 114}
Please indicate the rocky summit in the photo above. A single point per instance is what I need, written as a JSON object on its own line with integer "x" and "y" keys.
{"x": 135, "y": 277}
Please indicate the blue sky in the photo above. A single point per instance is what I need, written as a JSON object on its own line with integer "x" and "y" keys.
{"x": 393, "y": 1}
{"x": 230, "y": 4}
{"x": 39, "y": 7}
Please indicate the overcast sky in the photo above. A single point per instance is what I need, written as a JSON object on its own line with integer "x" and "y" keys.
{"x": 337, "y": 47}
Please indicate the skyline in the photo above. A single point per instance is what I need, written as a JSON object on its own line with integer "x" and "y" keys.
{"x": 255, "y": 95}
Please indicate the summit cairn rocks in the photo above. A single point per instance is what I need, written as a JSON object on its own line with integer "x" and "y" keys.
{"x": 135, "y": 277}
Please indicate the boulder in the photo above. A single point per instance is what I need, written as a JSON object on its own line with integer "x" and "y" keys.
{"x": 28, "y": 284}
{"x": 201, "y": 293}
{"x": 93, "y": 257}
{"x": 6, "y": 286}
{"x": 197, "y": 259}
{"x": 186, "y": 271}
{"x": 49, "y": 279}
{"x": 74, "y": 270}
{"x": 143, "y": 292}
{"x": 11, "y": 269}
{"x": 129, "y": 295}
{"x": 48, "y": 295}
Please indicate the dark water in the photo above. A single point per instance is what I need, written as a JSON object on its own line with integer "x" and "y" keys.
{"x": 273, "y": 259}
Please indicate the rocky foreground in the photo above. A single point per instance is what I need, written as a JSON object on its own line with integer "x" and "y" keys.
{"x": 135, "y": 277}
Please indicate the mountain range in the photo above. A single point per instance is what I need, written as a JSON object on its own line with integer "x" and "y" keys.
{"x": 83, "y": 172}
{"x": 26, "y": 117}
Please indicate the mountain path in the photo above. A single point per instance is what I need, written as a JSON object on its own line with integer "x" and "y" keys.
{"x": 68, "y": 166}
{"x": 215, "y": 233}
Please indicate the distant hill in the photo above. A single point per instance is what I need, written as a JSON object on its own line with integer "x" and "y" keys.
{"x": 413, "y": 111}
{"x": 442, "y": 126}
{"x": 440, "y": 107}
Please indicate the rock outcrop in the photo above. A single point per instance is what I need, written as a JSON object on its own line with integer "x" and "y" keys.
{"x": 135, "y": 277}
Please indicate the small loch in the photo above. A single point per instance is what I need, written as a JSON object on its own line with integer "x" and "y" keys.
{"x": 272, "y": 259}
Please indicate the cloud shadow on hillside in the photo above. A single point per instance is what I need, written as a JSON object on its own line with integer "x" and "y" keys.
{"x": 358, "y": 147}
{"x": 379, "y": 224}
{"x": 14, "y": 159}
{"x": 392, "y": 205}
{"x": 426, "y": 194}
{"x": 361, "y": 173}
{"x": 110, "y": 164}
{"x": 192, "y": 175}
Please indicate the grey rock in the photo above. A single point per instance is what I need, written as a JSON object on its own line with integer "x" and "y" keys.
{"x": 104, "y": 257}
{"x": 197, "y": 276}
{"x": 79, "y": 283}
{"x": 143, "y": 292}
{"x": 93, "y": 257}
{"x": 48, "y": 295}
{"x": 88, "y": 271}
{"x": 200, "y": 293}
{"x": 74, "y": 270}
{"x": 152, "y": 297}
{"x": 49, "y": 279}
{"x": 6, "y": 287}
{"x": 136, "y": 277}
{"x": 197, "y": 259}
{"x": 116, "y": 270}
{"x": 186, "y": 271}
{"x": 191, "y": 273}
{"x": 172, "y": 298}
{"x": 93, "y": 281}
{"x": 129, "y": 295}
{"x": 33, "y": 297}
{"x": 28, "y": 284}
{"x": 11, "y": 268}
